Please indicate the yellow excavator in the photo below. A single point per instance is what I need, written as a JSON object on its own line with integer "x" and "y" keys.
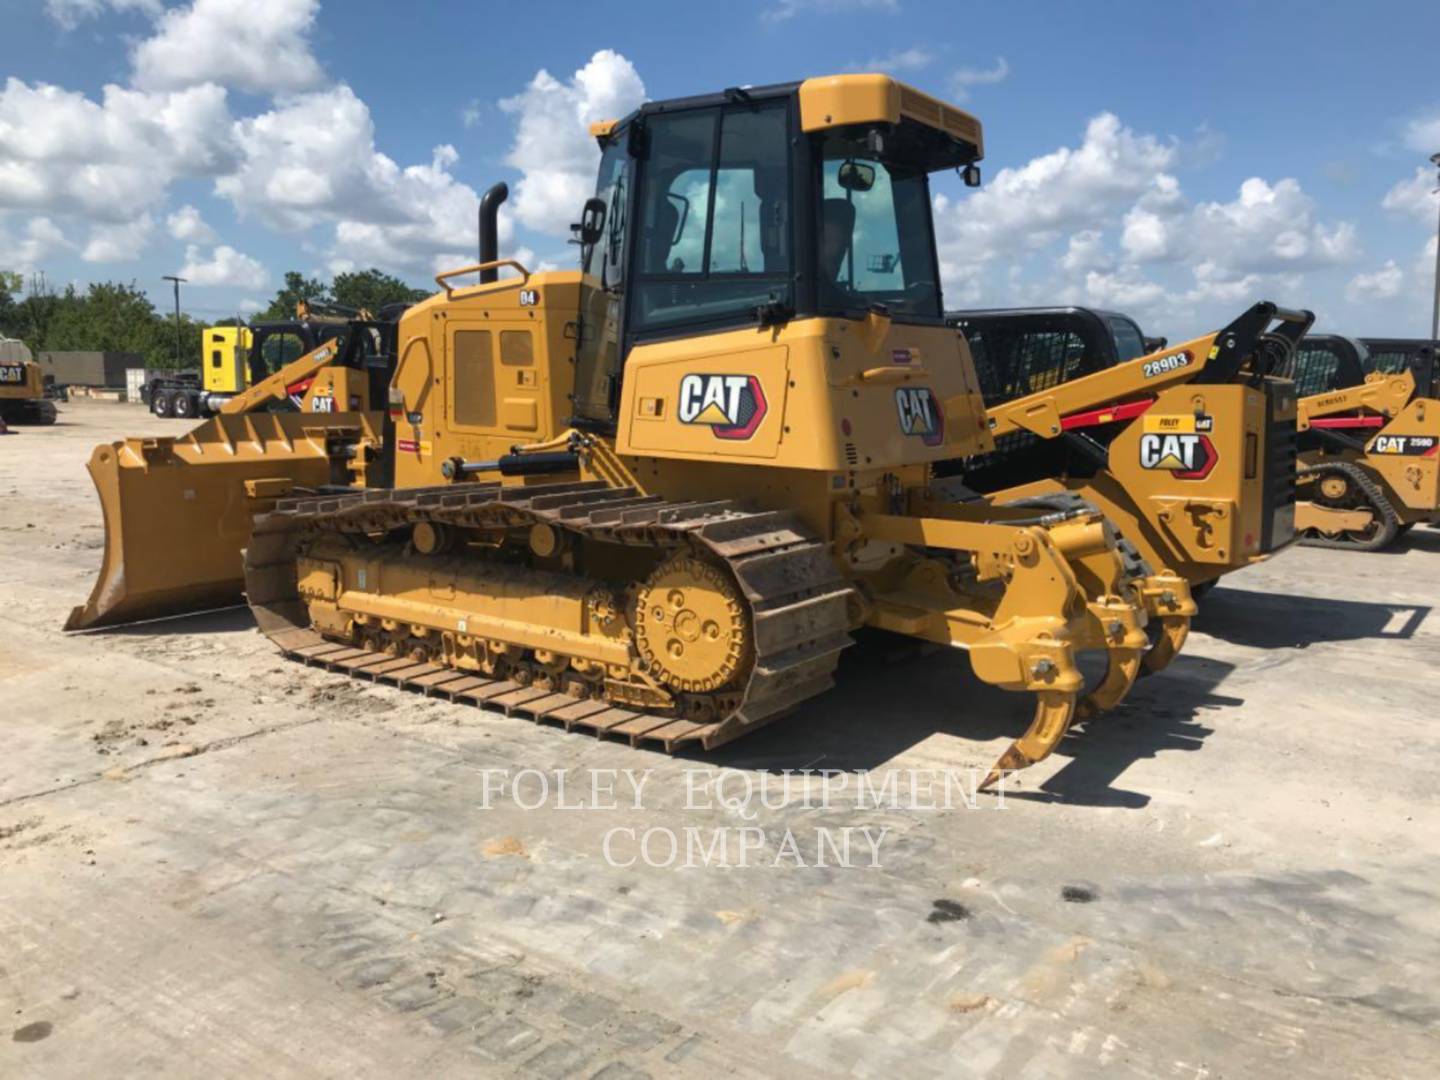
{"x": 1369, "y": 444}
{"x": 652, "y": 498}
{"x": 22, "y": 387}
{"x": 1188, "y": 450}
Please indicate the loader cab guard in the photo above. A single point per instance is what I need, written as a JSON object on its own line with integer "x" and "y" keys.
{"x": 1325, "y": 362}
{"x": 1391, "y": 356}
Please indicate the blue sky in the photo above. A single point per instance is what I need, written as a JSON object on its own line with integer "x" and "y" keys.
{"x": 1176, "y": 161}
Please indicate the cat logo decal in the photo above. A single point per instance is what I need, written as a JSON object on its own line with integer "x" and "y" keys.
{"x": 731, "y": 406}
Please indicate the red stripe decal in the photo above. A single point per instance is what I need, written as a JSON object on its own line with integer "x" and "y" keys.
{"x": 1092, "y": 417}
{"x": 1348, "y": 422}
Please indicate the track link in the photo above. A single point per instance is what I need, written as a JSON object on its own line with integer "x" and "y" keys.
{"x": 1378, "y": 505}
{"x": 798, "y": 604}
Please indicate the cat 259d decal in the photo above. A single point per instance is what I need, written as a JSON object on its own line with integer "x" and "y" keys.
{"x": 1406, "y": 445}
{"x": 1179, "y": 445}
{"x": 732, "y": 406}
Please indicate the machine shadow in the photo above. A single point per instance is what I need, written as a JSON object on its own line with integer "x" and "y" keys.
{"x": 210, "y": 621}
{"x": 865, "y": 722}
{"x": 1264, "y": 620}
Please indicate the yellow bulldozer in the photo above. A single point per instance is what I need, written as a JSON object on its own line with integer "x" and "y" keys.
{"x": 1369, "y": 442}
{"x": 653, "y": 497}
{"x": 1188, "y": 450}
{"x": 22, "y": 387}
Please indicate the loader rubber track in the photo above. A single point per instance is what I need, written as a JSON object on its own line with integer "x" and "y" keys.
{"x": 798, "y": 604}
{"x": 1378, "y": 505}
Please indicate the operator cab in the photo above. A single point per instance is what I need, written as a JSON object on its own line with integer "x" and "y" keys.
{"x": 757, "y": 206}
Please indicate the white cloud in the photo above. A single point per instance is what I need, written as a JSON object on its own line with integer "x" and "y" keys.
{"x": 61, "y": 152}
{"x": 966, "y": 77}
{"x": 898, "y": 61}
{"x": 118, "y": 243}
{"x": 553, "y": 148}
{"x": 1422, "y": 133}
{"x": 312, "y": 160}
{"x": 1086, "y": 251}
{"x": 1066, "y": 189}
{"x": 470, "y": 114}
{"x": 186, "y": 224}
{"x": 71, "y": 13}
{"x": 257, "y": 45}
{"x": 1123, "y": 291}
{"x": 1415, "y": 196}
{"x": 1146, "y": 236}
{"x": 788, "y": 9}
{"x": 1268, "y": 227}
{"x": 1380, "y": 285}
{"x": 225, "y": 266}
{"x": 1108, "y": 223}
{"x": 40, "y": 240}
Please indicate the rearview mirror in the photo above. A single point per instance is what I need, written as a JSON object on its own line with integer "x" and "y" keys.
{"x": 592, "y": 223}
{"x": 854, "y": 176}
{"x": 971, "y": 175}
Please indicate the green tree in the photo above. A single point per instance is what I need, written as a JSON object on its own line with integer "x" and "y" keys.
{"x": 297, "y": 287}
{"x": 373, "y": 289}
{"x": 10, "y": 322}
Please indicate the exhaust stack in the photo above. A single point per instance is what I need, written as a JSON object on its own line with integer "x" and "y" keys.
{"x": 490, "y": 229}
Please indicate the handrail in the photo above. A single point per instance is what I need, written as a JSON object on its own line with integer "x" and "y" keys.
{"x": 442, "y": 278}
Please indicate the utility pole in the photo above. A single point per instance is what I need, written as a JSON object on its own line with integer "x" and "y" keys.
{"x": 1435, "y": 312}
{"x": 177, "y": 281}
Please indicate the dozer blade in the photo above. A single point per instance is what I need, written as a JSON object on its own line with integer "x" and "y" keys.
{"x": 178, "y": 510}
{"x": 1054, "y": 710}
{"x": 1174, "y": 630}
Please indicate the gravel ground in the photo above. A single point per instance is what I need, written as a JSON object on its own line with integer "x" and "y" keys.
{"x": 213, "y": 861}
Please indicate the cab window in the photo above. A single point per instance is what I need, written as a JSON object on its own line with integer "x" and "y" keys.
{"x": 876, "y": 234}
{"x": 280, "y": 349}
{"x": 714, "y": 240}
{"x": 1129, "y": 342}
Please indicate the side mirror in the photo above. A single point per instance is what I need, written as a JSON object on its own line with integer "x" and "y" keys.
{"x": 591, "y": 225}
{"x": 971, "y": 175}
{"x": 854, "y": 176}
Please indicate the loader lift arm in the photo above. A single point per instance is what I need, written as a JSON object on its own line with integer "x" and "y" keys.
{"x": 1248, "y": 345}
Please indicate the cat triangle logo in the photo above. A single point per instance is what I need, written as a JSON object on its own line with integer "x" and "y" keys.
{"x": 711, "y": 414}
{"x": 1171, "y": 461}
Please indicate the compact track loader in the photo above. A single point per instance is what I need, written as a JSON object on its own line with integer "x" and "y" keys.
{"x": 652, "y": 498}
{"x": 22, "y": 387}
{"x": 1189, "y": 451}
{"x": 1369, "y": 444}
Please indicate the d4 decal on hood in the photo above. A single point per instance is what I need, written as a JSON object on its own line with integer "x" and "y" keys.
{"x": 920, "y": 414}
{"x": 731, "y": 406}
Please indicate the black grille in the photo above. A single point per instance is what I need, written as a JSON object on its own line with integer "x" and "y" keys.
{"x": 1277, "y": 489}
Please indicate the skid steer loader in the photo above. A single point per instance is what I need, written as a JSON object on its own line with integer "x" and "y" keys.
{"x": 22, "y": 387}
{"x": 653, "y": 497}
{"x": 1189, "y": 451}
{"x": 1369, "y": 444}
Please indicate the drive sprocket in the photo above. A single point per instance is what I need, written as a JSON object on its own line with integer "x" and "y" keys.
{"x": 690, "y": 625}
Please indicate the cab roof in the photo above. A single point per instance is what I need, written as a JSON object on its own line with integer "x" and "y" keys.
{"x": 837, "y": 101}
